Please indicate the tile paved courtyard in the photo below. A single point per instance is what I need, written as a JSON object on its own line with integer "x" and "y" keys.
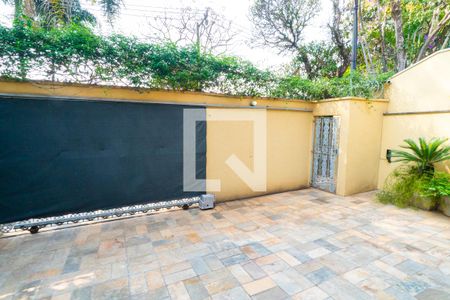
{"x": 298, "y": 245}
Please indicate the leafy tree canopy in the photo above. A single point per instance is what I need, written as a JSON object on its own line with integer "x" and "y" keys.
{"x": 74, "y": 53}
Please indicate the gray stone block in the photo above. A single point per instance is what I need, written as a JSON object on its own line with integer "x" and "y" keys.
{"x": 206, "y": 201}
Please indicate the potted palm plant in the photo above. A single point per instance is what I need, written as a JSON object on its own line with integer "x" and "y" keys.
{"x": 430, "y": 190}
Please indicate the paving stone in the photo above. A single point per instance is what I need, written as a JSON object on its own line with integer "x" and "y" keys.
{"x": 82, "y": 293}
{"x": 314, "y": 293}
{"x": 154, "y": 280}
{"x": 320, "y": 275}
{"x": 327, "y": 245}
{"x": 195, "y": 289}
{"x": 254, "y": 270}
{"x": 289, "y": 285}
{"x": 113, "y": 289}
{"x": 237, "y": 293}
{"x": 178, "y": 291}
{"x": 72, "y": 264}
{"x": 270, "y": 294}
{"x": 137, "y": 284}
{"x": 398, "y": 293}
{"x": 289, "y": 259}
{"x": 373, "y": 285}
{"x": 433, "y": 294}
{"x": 341, "y": 289}
{"x": 318, "y": 252}
{"x": 179, "y": 276}
{"x": 356, "y": 275}
{"x": 258, "y": 286}
{"x": 276, "y": 246}
{"x": 213, "y": 262}
{"x": 222, "y": 285}
{"x": 199, "y": 265}
{"x": 410, "y": 267}
{"x": 240, "y": 274}
{"x": 160, "y": 293}
{"x": 302, "y": 257}
{"x": 413, "y": 287}
{"x": 236, "y": 259}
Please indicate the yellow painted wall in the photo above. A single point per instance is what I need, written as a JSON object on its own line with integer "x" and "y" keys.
{"x": 288, "y": 132}
{"x": 359, "y": 141}
{"x": 423, "y": 88}
{"x": 365, "y": 131}
{"x": 396, "y": 128}
{"x": 288, "y": 152}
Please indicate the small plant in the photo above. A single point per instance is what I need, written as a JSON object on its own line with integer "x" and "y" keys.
{"x": 415, "y": 183}
{"x": 401, "y": 186}
{"x": 437, "y": 186}
{"x": 424, "y": 154}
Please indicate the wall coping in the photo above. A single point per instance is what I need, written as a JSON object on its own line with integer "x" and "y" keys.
{"x": 145, "y": 90}
{"x": 351, "y": 98}
{"x": 419, "y": 62}
{"x": 268, "y": 102}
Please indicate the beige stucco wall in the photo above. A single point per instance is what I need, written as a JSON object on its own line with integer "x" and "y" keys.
{"x": 396, "y": 128}
{"x": 288, "y": 152}
{"x": 359, "y": 141}
{"x": 424, "y": 86}
{"x": 289, "y": 148}
{"x": 288, "y": 131}
{"x": 419, "y": 107}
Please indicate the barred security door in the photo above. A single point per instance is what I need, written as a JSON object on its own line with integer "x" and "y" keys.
{"x": 325, "y": 153}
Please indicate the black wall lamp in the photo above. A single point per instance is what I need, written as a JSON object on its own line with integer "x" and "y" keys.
{"x": 389, "y": 155}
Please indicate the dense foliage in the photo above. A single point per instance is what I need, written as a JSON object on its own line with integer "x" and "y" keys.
{"x": 75, "y": 54}
{"x": 398, "y": 33}
{"x": 424, "y": 153}
{"x": 437, "y": 186}
{"x": 415, "y": 182}
{"x": 55, "y": 13}
{"x": 401, "y": 186}
{"x": 406, "y": 186}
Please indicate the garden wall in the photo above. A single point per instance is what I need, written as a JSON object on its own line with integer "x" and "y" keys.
{"x": 419, "y": 106}
{"x": 289, "y": 131}
{"x": 288, "y": 152}
{"x": 359, "y": 141}
{"x": 289, "y": 134}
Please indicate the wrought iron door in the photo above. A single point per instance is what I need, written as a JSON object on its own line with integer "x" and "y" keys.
{"x": 325, "y": 153}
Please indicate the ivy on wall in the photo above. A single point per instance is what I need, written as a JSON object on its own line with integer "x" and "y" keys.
{"x": 75, "y": 54}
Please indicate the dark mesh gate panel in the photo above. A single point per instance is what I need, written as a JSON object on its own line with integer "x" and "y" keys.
{"x": 67, "y": 156}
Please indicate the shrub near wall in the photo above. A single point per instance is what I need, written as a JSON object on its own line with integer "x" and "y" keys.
{"x": 75, "y": 54}
{"x": 415, "y": 182}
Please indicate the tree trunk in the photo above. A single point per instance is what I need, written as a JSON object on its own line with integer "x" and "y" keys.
{"x": 445, "y": 43}
{"x": 399, "y": 39}
{"x": 18, "y": 6}
{"x": 364, "y": 45}
{"x": 338, "y": 39}
{"x": 434, "y": 30}
{"x": 29, "y": 8}
{"x": 381, "y": 27}
{"x": 306, "y": 63}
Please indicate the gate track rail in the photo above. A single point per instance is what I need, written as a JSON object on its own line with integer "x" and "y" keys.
{"x": 33, "y": 225}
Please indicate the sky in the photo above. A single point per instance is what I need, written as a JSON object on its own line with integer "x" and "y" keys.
{"x": 136, "y": 15}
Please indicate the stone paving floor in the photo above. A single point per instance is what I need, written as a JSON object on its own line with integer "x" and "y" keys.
{"x": 298, "y": 245}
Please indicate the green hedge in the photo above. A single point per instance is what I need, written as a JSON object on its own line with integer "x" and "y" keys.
{"x": 75, "y": 54}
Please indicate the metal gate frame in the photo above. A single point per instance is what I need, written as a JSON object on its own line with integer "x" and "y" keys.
{"x": 335, "y": 151}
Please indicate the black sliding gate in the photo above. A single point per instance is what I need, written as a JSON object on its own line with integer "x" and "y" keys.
{"x": 65, "y": 156}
